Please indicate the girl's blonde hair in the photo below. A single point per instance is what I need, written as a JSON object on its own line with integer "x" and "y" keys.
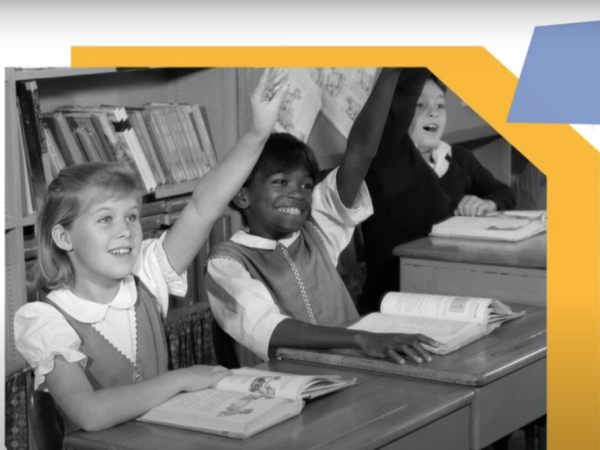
{"x": 69, "y": 195}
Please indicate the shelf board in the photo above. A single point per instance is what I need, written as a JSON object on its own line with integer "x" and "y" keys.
{"x": 12, "y": 222}
{"x": 171, "y": 190}
{"x": 56, "y": 72}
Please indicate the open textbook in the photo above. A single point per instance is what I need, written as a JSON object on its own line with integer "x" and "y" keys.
{"x": 244, "y": 403}
{"x": 504, "y": 226}
{"x": 452, "y": 321}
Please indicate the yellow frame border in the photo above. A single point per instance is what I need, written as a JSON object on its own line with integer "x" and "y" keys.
{"x": 569, "y": 161}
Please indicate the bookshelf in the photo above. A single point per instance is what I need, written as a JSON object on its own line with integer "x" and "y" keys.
{"x": 215, "y": 89}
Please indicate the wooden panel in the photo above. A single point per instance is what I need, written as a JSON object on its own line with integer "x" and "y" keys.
{"x": 527, "y": 286}
{"x": 450, "y": 432}
{"x": 508, "y": 404}
{"x": 528, "y": 253}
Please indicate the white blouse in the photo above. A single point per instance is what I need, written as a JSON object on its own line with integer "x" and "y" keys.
{"x": 42, "y": 332}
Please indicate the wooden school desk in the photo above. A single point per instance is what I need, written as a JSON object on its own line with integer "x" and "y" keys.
{"x": 506, "y": 370}
{"x": 508, "y": 271}
{"x": 379, "y": 412}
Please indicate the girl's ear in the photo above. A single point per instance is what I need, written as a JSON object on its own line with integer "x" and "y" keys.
{"x": 61, "y": 238}
{"x": 241, "y": 199}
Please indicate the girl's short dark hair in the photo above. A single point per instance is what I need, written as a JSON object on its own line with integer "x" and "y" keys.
{"x": 282, "y": 153}
{"x": 285, "y": 153}
{"x": 69, "y": 195}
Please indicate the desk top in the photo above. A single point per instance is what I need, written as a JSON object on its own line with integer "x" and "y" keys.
{"x": 513, "y": 345}
{"x": 528, "y": 253}
{"x": 377, "y": 410}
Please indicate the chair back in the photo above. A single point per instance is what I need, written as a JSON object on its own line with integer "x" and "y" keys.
{"x": 224, "y": 348}
{"x": 47, "y": 425}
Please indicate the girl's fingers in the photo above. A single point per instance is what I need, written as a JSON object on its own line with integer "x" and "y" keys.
{"x": 395, "y": 356}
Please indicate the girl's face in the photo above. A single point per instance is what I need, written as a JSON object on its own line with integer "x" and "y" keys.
{"x": 105, "y": 242}
{"x": 277, "y": 205}
{"x": 429, "y": 121}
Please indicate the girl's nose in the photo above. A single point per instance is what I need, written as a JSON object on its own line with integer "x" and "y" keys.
{"x": 124, "y": 230}
{"x": 294, "y": 191}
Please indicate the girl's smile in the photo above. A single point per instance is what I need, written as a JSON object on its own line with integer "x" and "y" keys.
{"x": 277, "y": 205}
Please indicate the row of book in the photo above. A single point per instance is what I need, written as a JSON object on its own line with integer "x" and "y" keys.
{"x": 166, "y": 143}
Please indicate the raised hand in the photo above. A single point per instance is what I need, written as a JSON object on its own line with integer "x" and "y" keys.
{"x": 267, "y": 98}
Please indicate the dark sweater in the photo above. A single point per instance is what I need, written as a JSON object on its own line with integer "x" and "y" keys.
{"x": 408, "y": 196}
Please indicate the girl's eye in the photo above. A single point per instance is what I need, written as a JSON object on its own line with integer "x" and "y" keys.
{"x": 106, "y": 219}
{"x": 132, "y": 218}
{"x": 280, "y": 181}
{"x": 308, "y": 186}
{"x": 441, "y": 106}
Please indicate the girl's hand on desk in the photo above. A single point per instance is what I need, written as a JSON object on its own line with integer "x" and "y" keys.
{"x": 198, "y": 377}
{"x": 471, "y": 205}
{"x": 387, "y": 345}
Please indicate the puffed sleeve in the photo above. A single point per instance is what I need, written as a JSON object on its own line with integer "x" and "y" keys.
{"x": 157, "y": 274}
{"x": 41, "y": 334}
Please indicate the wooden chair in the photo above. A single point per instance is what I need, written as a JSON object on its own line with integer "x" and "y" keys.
{"x": 46, "y": 423}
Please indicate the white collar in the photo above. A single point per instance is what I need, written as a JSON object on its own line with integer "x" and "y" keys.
{"x": 86, "y": 311}
{"x": 438, "y": 162}
{"x": 246, "y": 239}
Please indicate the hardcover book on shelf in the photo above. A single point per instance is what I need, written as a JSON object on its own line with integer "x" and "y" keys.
{"x": 174, "y": 142}
{"x": 182, "y": 141}
{"x": 33, "y": 137}
{"x": 87, "y": 143}
{"x": 194, "y": 144}
{"x": 69, "y": 147}
{"x": 27, "y": 191}
{"x": 245, "y": 403}
{"x": 200, "y": 121}
{"x": 56, "y": 158}
{"x": 86, "y": 126}
{"x": 141, "y": 131}
{"x": 509, "y": 226}
{"x": 170, "y": 160}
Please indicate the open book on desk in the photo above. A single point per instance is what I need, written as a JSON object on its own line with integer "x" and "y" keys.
{"x": 509, "y": 226}
{"x": 244, "y": 403}
{"x": 452, "y": 321}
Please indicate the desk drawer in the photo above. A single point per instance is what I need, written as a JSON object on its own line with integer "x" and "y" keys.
{"x": 520, "y": 285}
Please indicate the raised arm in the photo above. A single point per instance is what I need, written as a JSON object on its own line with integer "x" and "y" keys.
{"x": 365, "y": 135}
{"x": 217, "y": 187}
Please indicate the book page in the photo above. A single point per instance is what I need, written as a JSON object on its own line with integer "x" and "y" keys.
{"x": 300, "y": 106}
{"x": 345, "y": 91}
{"x": 502, "y": 228}
{"x": 275, "y": 384}
{"x": 449, "y": 334}
{"x": 466, "y": 309}
{"x": 212, "y": 403}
